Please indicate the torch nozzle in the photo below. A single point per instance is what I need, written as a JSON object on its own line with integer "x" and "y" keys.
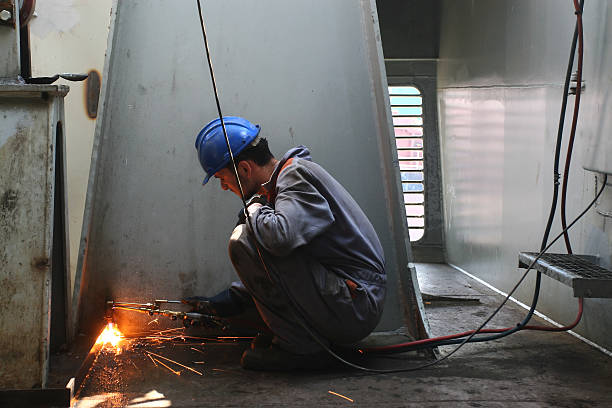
{"x": 108, "y": 311}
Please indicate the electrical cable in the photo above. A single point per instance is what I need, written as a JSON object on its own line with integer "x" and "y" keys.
{"x": 300, "y": 318}
{"x": 578, "y": 9}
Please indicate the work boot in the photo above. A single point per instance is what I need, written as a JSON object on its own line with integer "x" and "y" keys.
{"x": 273, "y": 358}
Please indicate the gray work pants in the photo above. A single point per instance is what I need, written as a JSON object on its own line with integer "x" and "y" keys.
{"x": 322, "y": 297}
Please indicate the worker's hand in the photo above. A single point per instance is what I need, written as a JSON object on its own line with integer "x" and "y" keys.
{"x": 255, "y": 202}
{"x": 224, "y": 304}
{"x": 252, "y": 205}
{"x": 200, "y": 304}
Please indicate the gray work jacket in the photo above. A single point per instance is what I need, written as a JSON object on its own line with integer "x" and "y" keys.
{"x": 310, "y": 210}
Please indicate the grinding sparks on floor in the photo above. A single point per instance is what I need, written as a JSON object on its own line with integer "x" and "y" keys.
{"x": 340, "y": 395}
{"x": 173, "y": 362}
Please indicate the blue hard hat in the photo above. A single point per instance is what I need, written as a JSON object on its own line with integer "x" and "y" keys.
{"x": 212, "y": 147}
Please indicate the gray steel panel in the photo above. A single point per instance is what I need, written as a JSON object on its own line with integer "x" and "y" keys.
{"x": 501, "y": 73}
{"x": 597, "y": 106}
{"x": 309, "y": 74}
{"x": 27, "y": 171}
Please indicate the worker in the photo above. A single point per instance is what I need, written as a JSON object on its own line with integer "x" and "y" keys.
{"x": 309, "y": 255}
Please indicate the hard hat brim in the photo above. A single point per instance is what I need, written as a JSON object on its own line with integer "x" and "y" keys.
{"x": 208, "y": 177}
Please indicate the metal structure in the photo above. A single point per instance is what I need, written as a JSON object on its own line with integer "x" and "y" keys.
{"x": 500, "y": 88}
{"x": 33, "y": 232}
{"x": 308, "y": 75}
{"x": 34, "y": 276}
{"x": 422, "y": 74}
{"x": 584, "y": 277}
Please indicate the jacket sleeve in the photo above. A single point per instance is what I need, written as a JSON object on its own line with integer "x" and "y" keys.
{"x": 300, "y": 213}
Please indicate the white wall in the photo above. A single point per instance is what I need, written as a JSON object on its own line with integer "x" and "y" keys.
{"x": 70, "y": 36}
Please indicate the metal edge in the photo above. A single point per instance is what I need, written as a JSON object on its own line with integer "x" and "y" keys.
{"x": 67, "y": 284}
{"x": 48, "y": 244}
{"x": 12, "y": 88}
{"x": 82, "y": 374}
{"x": 408, "y": 286}
{"x": 79, "y": 283}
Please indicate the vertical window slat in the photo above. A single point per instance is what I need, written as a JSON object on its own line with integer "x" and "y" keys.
{"x": 407, "y": 113}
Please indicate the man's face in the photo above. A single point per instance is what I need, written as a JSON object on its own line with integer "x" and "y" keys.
{"x": 227, "y": 179}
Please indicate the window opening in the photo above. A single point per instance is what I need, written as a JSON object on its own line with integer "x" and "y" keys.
{"x": 407, "y": 112}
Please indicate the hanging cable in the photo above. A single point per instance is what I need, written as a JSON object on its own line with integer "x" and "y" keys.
{"x": 578, "y": 7}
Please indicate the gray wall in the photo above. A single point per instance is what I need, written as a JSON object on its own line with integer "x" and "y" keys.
{"x": 500, "y": 80}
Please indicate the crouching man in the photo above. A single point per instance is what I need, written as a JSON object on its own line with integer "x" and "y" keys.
{"x": 323, "y": 264}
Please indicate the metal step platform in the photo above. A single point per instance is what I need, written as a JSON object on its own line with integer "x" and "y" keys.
{"x": 583, "y": 276}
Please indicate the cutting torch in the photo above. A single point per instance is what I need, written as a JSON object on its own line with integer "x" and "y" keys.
{"x": 155, "y": 308}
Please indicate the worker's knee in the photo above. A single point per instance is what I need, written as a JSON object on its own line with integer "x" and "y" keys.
{"x": 237, "y": 238}
{"x": 239, "y": 246}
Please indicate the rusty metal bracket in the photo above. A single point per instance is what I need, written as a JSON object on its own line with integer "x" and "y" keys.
{"x": 7, "y": 13}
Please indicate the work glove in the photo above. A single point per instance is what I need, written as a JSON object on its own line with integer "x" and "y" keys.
{"x": 224, "y": 304}
{"x": 256, "y": 199}
{"x": 200, "y": 304}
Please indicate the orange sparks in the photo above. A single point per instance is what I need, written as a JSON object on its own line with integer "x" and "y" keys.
{"x": 152, "y": 359}
{"x": 160, "y": 362}
{"x": 110, "y": 335}
{"x": 174, "y": 362}
{"x": 340, "y": 395}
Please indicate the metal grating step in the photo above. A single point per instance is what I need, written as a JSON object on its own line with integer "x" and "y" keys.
{"x": 584, "y": 277}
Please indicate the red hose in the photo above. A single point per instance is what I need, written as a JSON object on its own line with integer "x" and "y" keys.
{"x": 467, "y": 333}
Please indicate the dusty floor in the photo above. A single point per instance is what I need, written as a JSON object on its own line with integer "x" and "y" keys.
{"x": 528, "y": 369}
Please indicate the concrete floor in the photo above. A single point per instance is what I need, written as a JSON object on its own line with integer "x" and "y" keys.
{"x": 528, "y": 369}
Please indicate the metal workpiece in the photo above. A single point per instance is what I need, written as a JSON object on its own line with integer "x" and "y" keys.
{"x": 33, "y": 232}
{"x": 585, "y": 277}
{"x": 308, "y": 75}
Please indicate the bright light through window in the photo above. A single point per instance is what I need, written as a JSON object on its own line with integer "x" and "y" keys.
{"x": 407, "y": 112}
